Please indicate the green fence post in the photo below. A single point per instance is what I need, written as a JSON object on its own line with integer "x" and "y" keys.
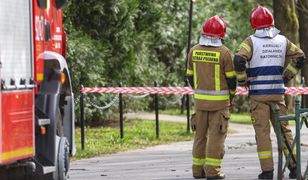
{"x": 297, "y": 139}
{"x": 279, "y": 142}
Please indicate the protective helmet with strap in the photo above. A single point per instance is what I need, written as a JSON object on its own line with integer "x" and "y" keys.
{"x": 261, "y": 17}
{"x": 215, "y": 26}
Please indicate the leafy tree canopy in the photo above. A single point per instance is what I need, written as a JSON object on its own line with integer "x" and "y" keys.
{"x": 137, "y": 42}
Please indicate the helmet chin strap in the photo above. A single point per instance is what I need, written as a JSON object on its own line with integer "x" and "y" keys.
{"x": 210, "y": 41}
{"x": 268, "y": 32}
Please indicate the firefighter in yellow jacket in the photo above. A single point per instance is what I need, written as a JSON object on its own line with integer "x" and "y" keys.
{"x": 259, "y": 64}
{"x": 210, "y": 72}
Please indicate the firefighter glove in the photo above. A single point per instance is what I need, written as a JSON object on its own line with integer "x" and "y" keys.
{"x": 286, "y": 80}
{"x": 300, "y": 62}
{"x": 242, "y": 83}
{"x": 239, "y": 63}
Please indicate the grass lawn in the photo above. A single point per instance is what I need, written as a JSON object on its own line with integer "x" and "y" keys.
{"x": 242, "y": 118}
{"x": 137, "y": 134}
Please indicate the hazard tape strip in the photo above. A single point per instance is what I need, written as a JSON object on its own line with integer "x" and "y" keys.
{"x": 173, "y": 90}
{"x": 139, "y": 90}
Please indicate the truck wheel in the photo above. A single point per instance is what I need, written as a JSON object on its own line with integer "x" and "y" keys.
{"x": 63, "y": 159}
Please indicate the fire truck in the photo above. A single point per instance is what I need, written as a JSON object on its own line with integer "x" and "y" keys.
{"x": 36, "y": 99}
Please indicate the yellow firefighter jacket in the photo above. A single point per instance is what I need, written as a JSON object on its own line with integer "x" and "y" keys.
{"x": 210, "y": 66}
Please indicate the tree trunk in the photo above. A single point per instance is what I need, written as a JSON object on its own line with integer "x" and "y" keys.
{"x": 286, "y": 21}
{"x": 302, "y": 7}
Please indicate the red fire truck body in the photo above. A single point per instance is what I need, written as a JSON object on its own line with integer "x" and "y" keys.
{"x": 17, "y": 126}
{"x": 37, "y": 103}
{"x": 57, "y": 35}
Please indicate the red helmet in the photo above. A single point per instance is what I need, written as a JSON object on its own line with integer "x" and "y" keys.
{"x": 214, "y": 26}
{"x": 261, "y": 17}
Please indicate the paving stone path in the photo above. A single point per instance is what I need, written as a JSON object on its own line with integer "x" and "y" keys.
{"x": 173, "y": 161}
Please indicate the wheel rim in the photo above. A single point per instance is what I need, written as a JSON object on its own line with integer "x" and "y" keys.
{"x": 63, "y": 159}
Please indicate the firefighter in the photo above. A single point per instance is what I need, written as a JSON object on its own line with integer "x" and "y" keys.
{"x": 259, "y": 64}
{"x": 211, "y": 74}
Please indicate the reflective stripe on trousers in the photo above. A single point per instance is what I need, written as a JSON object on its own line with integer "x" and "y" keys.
{"x": 206, "y": 161}
{"x": 213, "y": 162}
{"x": 198, "y": 161}
{"x": 286, "y": 151}
{"x": 265, "y": 154}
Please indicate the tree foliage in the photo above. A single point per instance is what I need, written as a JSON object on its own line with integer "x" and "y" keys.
{"x": 302, "y": 7}
{"x": 137, "y": 42}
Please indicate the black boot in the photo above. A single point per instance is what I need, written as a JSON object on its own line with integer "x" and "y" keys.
{"x": 292, "y": 174}
{"x": 202, "y": 175}
{"x": 266, "y": 175}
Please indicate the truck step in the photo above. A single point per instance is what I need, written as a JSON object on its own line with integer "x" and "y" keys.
{"x": 48, "y": 169}
{"x": 41, "y": 118}
{"x": 43, "y": 166}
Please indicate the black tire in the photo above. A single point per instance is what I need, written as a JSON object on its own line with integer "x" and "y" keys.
{"x": 63, "y": 161}
{"x": 63, "y": 156}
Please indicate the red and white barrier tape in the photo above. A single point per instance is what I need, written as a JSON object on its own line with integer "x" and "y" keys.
{"x": 140, "y": 90}
{"x": 173, "y": 90}
{"x": 296, "y": 90}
